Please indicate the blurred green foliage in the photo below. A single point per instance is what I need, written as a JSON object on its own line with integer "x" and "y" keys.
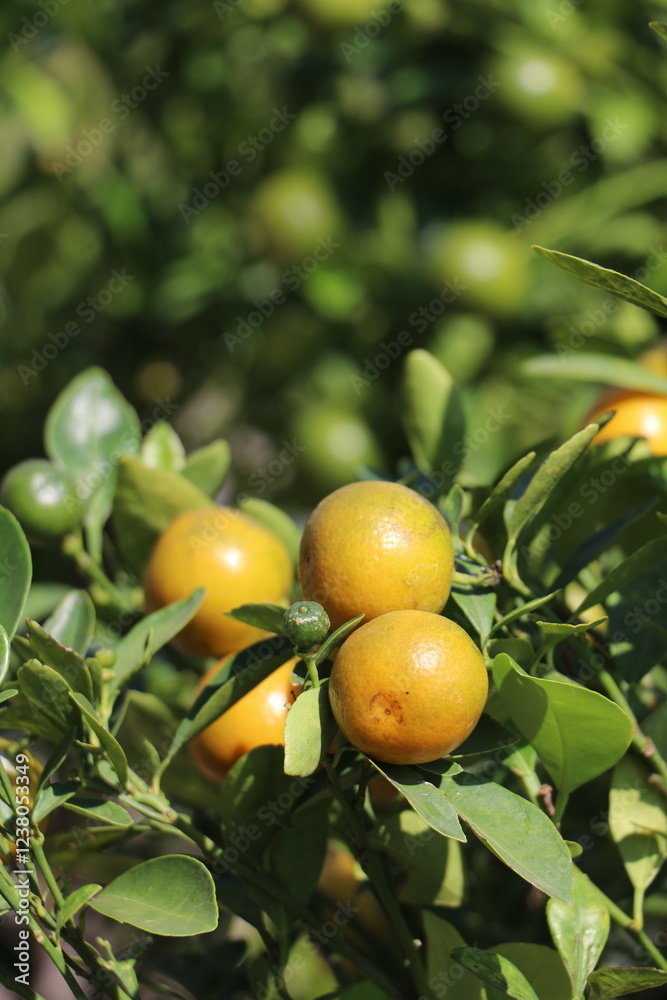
{"x": 239, "y": 205}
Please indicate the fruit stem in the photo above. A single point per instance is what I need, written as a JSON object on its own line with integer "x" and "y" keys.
{"x": 310, "y": 659}
{"x": 372, "y": 865}
{"x": 73, "y": 546}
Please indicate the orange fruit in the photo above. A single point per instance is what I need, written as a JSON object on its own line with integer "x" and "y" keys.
{"x": 381, "y": 791}
{"x": 237, "y": 560}
{"x": 655, "y": 358}
{"x": 638, "y": 414}
{"x": 373, "y": 547}
{"x": 256, "y": 720}
{"x": 338, "y": 878}
{"x": 408, "y": 687}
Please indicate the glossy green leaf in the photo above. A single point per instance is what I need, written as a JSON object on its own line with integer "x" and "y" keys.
{"x": 173, "y": 895}
{"x": 497, "y": 971}
{"x": 337, "y": 638}
{"x": 637, "y": 822}
{"x": 515, "y": 830}
{"x": 276, "y": 520}
{"x": 502, "y": 491}
{"x": 562, "y": 630}
{"x": 433, "y": 416}
{"x": 257, "y": 796}
{"x": 542, "y": 967}
{"x": 160, "y": 626}
{"x": 620, "y": 576}
{"x": 608, "y": 281}
{"x": 162, "y": 448}
{"x": 64, "y": 850}
{"x": 552, "y": 470}
{"x": 88, "y": 427}
{"x": 608, "y": 984}
{"x": 602, "y": 368}
{"x": 296, "y": 853}
{"x": 103, "y": 811}
{"x": 15, "y": 571}
{"x": 433, "y": 864}
{"x": 43, "y": 598}
{"x": 577, "y": 733}
{"x": 73, "y": 622}
{"x": 4, "y": 654}
{"x": 446, "y": 976}
{"x": 522, "y": 611}
{"x": 432, "y": 803}
{"x": 579, "y": 931}
{"x": 75, "y": 902}
{"x": 309, "y": 730}
{"x": 109, "y": 743}
{"x": 68, "y": 663}
{"x": 208, "y": 467}
{"x": 268, "y": 617}
{"x": 659, "y": 28}
{"x": 479, "y": 609}
{"x": 48, "y": 693}
{"x": 146, "y": 501}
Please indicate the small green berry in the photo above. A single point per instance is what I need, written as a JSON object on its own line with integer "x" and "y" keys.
{"x": 306, "y": 623}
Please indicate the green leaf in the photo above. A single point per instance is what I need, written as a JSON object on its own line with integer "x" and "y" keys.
{"x": 522, "y": 611}
{"x": 309, "y": 730}
{"x": 562, "y": 630}
{"x": 15, "y": 571}
{"x": 49, "y": 694}
{"x": 659, "y": 28}
{"x": 445, "y": 975}
{"x": 4, "y": 654}
{"x": 434, "y": 865}
{"x": 109, "y": 743}
{"x": 497, "y": 971}
{"x": 541, "y": 966}
{"x": 68, "y": 663}
{"x": 162, "y": 448}
{"x": 579, "y": 931}
{"x": 515, "y": 830}
{"x": 479, "y": 609}
{"x": 296, "y": 853}
{"x": 276, "y": 520}
{"x": 433, "y": 415}
{"x": 635, "y": 565}
{"x": 488, "y": 737}
{"x": 607, "y": 984}
{"x": 602, "y": 368}
{"x": 207, "y": 467}
{"x": 637, "y": 822}
{"x": 337, "y": 638}
{"x": 43, "y": 598}
{"x": 578, "y": 734}
{"x": 257, "y": 796}
{"x": 52, "y": 796}
{"x": 247, "y": 670}
{"x": 362, "y": 991}
{"x": 552, "y": 470}
{"x": 609, "y": 281}
{"x": 73, "y": 622}
{"x": 146, "y": 501}
{"x": 7, "y": 694}
{"x": 173, "y": 895}
{"x": 104, "y": 811}
{"x": 74, "y": 902}
{"x": 64, "y": 850}
{"x": 160, "y": 627}
{"x": 431, "y": 803}
{"x": 502, "y": 491}
{"x": 88, "y": 427}
{"x": 268, "y": 617}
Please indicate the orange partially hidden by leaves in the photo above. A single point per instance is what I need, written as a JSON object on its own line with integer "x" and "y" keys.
{"x": 408, "y": 687}
{"x": 638, "y": 415}
{"x": 374, "y": 547}
{"x": 257, "y": 719}
{"x": 238, "y": 562}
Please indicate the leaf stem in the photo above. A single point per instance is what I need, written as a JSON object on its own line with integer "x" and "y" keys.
{"x": 623, "y": 920}
{"x": 640, "y": 740}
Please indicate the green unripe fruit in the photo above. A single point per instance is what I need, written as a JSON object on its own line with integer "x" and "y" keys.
{"x": 42, "y": 496}
{"x": 306, "y": 623}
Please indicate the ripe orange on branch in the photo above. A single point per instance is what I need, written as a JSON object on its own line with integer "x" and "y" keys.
{"x": 256, "y": 720}
{"x": 238, "y": 562}
{"x": 638, "y": 415}
{"x": 408, "y": 687}
{"x": 374, "y": 547}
